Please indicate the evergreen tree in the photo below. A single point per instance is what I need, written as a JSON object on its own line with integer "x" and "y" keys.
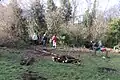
{"x": 51, "y": 5}
{"x": 66, "y": 10}
{"x": 113, "y": 35}
{"x": 38, "y": 17}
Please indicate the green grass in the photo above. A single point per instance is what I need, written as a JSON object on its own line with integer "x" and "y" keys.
{"x": 11, "y": 70}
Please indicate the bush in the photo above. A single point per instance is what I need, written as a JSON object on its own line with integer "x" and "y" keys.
{"x": 113, "y": 35}
{"x": 12, "y": 43}
{"x": 71, "y": 40}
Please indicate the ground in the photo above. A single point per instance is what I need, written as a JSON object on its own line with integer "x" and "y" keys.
{"x": 92, "y": 67}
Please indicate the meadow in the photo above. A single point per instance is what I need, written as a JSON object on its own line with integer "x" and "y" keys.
{"x": 91, "y": 68}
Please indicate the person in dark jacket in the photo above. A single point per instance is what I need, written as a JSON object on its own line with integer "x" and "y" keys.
{"x": 44, "y": 41}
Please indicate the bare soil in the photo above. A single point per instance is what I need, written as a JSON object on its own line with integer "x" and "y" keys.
{"x": 37, "y": 51}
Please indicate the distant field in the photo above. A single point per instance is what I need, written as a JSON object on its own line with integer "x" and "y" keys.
{"x": 10, "y": 69}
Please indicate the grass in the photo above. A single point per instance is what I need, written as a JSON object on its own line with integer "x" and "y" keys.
{"x": 11, "y": 70}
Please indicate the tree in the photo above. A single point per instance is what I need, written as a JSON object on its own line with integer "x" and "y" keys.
{"x": 74, "y": 6}
{"x": 37, "y": 17}
{"x": 89, "y": 17}
{"x": 113, "y": 37}
{"x": 18, "y": 28}
{"x": 53, "y": 18}
{"x": 51, "y": 5}
{"x": 100, "y": 27}
{"x": 113, "y": 12}
{"x": 66, "y": 10}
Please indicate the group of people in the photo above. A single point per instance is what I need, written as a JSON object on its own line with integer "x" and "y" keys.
{"x": 98, "y": 46}
{"x": 44, "y": 39}
{"x": 95, "y": 45}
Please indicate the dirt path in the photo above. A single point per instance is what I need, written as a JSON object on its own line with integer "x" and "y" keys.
{"x": 37, "y": 51}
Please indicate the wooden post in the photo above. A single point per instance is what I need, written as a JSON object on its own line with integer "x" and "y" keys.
{"x": 106, "y": 54}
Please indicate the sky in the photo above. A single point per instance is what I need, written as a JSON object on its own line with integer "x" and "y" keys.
{"x": 102, "y": 4}
{"x": 82, "y": 5}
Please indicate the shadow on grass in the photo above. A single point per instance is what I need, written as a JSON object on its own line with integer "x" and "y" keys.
{"x": 106, "y": 70}
{"x": 29, "y": 75}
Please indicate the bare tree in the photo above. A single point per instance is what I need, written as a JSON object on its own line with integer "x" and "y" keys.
{"x": 113, "y": 12}
{"x": 90, "y": 16}
{"x": 100, "y": 27}
{"x": 5, "y": 22}
{"x": 18, "y": 28}
{"x": 53, "y": 18}
{"x": 74, "y": 6}
{"x": 13, "y": 26}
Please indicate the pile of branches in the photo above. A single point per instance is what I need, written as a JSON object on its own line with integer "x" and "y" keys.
{"x": 65, "y": 59}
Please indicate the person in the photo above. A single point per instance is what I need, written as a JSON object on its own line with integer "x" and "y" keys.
{"x": 100, "y": 43}
{"x": 35, "y": 38}
{"x": 93, "y": 45}
{"x": 54, "y": 40}
{"x": 44, "y": 41}
{"x": 50, "y": 42}
{"x": 39, "y": 39}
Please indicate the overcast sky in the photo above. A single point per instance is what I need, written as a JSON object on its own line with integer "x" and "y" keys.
{"x": 103, "y": 4}
{"x": 82, "y": 5}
